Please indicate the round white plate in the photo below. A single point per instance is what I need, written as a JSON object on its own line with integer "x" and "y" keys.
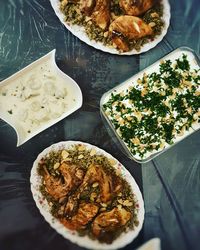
{"x": 85, "y": 241}
{"x": 79, "y": 31}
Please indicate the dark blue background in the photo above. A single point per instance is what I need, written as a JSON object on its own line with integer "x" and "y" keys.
{"x": 170, "y": 184}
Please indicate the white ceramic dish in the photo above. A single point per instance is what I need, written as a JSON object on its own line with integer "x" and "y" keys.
{"x": 194, "y": 64}
{"x": 85, "y": 241}
{"x": 37, "y": 97}
{"x": 81, "y": 34}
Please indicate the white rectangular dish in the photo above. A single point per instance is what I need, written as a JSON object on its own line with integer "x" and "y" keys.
{"x": 37, "y": 97}
{"x": 155, "y": 108}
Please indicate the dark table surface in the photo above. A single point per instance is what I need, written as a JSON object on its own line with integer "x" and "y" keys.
{"x": 170, "y": 184}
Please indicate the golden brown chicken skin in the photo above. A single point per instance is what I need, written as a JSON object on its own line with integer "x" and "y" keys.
{"x": 106, "y": 224}
{"x": 101, "y": 14}
{"x": 136, "y": 7}
{"x": 57, "y": 187}
{"x": 95, "y": 173}
{"x": 128, "y": 27}
{"x": 86, "y": 212}
{"x": 119, "y": 42}
{"x": 87, "y": 6}
{"x": 54, "y": 186}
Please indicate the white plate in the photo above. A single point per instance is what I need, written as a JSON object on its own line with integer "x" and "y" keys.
{"x": 79, "y": 31}
{"x": 8, "y": 102}
{"x": 85, "y": 241}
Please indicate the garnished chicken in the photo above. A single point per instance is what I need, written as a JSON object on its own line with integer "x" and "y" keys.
{"x": 128, "y": 27}
{"x": 99, "y": 18}
{"x": 119, "y": 42}
{"x": 96, "y": 173}
{"x": 101, "y": 13}
{"x": 69, "y": 208}
{"x": 87, "y": 6}
{"x": 136, "y": 7}
{"x": 90, "y": 198}
{"x": 106, "y": 224}
{"x": 85, "y": 214}
{"x": 72, "y": 175}
{"x": 54, "y": 186}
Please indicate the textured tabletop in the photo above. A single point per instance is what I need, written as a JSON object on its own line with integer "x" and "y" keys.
{"x": 170, "y": 184}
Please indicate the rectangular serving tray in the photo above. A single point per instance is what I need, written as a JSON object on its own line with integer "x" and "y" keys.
{"x": 194, "y": 62}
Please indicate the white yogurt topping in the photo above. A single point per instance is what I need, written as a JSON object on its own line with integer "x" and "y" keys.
{"x": 36, "y": 97}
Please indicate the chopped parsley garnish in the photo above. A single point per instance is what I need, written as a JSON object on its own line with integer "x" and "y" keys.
{"x": 157, "y": 108}
{"x": 183, "y": 64}
{"x": 10, "y": 111}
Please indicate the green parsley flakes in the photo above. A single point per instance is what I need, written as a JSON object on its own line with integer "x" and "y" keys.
{"x": 157, "y": 108}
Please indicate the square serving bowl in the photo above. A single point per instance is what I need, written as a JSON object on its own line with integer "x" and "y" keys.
{"x": 156, "y": 108}
{"x": 37, "y": 97}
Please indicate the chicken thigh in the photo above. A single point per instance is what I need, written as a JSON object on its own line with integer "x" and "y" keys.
{"x": 101, "y": 14}
{"x": 128, "y": 27}
{"x": 136, "y": 7}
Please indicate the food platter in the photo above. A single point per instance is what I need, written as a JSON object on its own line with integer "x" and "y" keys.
{"x": 44, "y": 207}
{"x": 79, "y": 31}
{"x": 147, "y": 91}
{"x": 37, "y": 97}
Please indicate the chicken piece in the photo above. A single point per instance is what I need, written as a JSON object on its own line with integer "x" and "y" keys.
{"x": 73, "y": 176}
{"x": 87, "y": 6}
{"x": 85, "y": 214}
{"x": 71, "y": 205}
{"x": 96, "y": 173}
{"x": 136, "y": 7}
{"x": 101, "y": 14}
{"x": 129, "y": 27}
{"x": 106, "y": 224}
{"x": 118, "y": 41}
{"x": 54, "y": 186}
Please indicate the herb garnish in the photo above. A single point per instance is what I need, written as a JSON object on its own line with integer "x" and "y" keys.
{"x": 10, "y": 111}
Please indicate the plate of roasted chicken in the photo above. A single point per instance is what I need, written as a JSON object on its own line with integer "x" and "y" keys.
{"x": 124, "y": 27}
{"x": 87, "y": 195}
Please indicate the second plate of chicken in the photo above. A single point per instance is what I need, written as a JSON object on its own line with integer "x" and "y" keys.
{"x": 87, "y": 195}
{"x": 123, "y": 27}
